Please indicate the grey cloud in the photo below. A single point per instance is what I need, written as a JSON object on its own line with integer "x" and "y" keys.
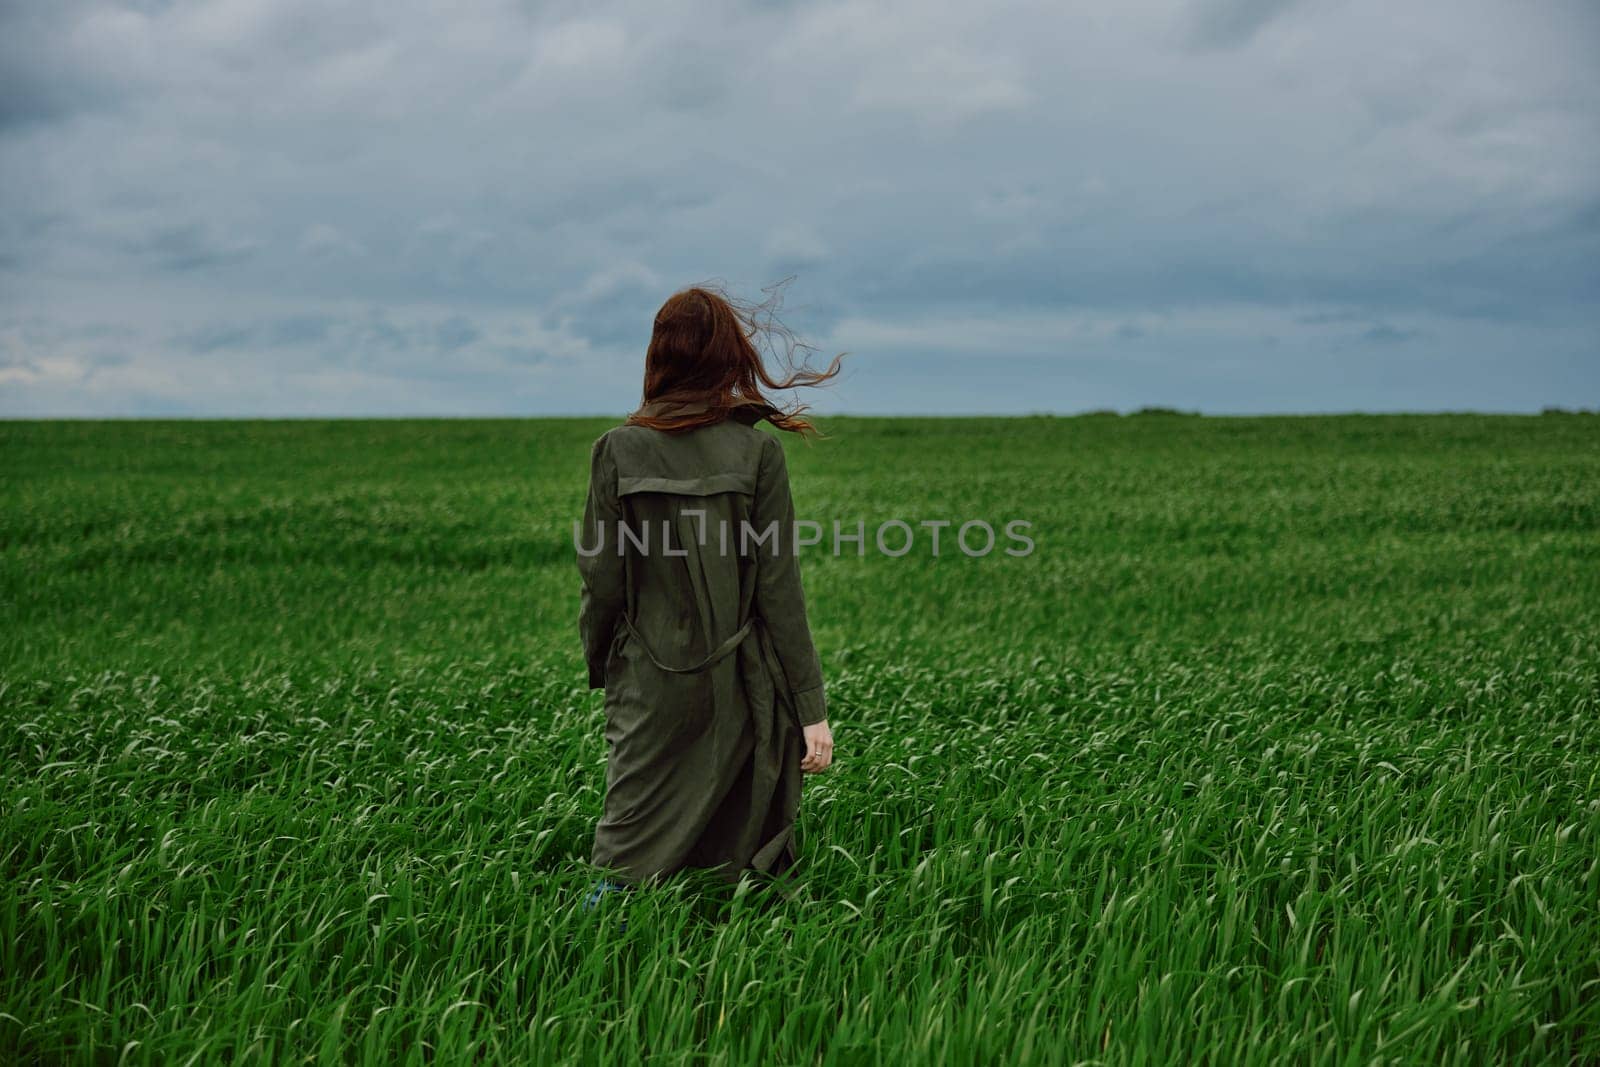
{"x": 691, "y": 86}
{"x": 603, "y": 199}
{"x": 288, "y": 331}
{"x": 217, "y": 338}
{"x": 793, "y": 246}
{"x": 520, "y": 354}
{"x": 374, "y": 338}
{"x": 13, "y": 354}
{"x": 323, "y": 241}
{"x": 1225, "y": 24}
{"x": 40, "y": 78}
{"x": 1330, "y": 318}
{"x": 186, "y": 246}
{"x": 455, "y": 332}
{"x": 1384, "y": 334}
{"x": 28, "y": 95}
{"x": 616, "y": 306}
{"x": 299, "y": 330}
{"x": 100, "y": 361}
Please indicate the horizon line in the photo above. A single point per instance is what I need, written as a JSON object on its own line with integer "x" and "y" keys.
{"x": 1148, "y": 411}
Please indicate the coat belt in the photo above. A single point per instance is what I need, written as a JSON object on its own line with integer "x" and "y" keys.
{"x": 717, "y": 654}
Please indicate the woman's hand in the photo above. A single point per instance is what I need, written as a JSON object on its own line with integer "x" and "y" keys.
{"x": 819, "y": 747}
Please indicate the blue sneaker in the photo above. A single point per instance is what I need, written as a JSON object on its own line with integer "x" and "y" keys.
{"x": 601, "y": 888}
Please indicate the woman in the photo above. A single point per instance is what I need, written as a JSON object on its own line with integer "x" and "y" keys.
{"x": 693, "y": 618}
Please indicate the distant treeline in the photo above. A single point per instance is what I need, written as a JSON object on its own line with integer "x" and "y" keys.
{"x": 1113, "y": 413}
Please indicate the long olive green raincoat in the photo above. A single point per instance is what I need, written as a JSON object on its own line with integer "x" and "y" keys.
{"x": 693, "y": 621}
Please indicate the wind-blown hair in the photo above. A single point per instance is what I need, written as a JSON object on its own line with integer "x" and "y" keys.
{"x": 703, "y": 356}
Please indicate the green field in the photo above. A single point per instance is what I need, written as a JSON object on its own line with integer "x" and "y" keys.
{"x": 1284, "y": 743}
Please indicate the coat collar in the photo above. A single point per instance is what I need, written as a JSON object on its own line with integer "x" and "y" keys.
{"x": 670, "y": 405}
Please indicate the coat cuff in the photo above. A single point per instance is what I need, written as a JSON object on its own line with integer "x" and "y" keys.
{"x": 811, "y": 706}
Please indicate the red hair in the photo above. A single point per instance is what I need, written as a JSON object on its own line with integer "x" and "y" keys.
{"x": 702, "y": 353}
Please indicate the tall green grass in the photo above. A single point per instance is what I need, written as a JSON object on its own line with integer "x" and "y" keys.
{"x": 1281, "y": 746}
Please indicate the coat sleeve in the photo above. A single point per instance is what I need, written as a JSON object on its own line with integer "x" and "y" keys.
{"x": 780, "y": 599}
{"x": 604, "y": 596}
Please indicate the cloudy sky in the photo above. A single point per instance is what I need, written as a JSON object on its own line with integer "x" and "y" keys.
{"x": 297, "y": 207}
